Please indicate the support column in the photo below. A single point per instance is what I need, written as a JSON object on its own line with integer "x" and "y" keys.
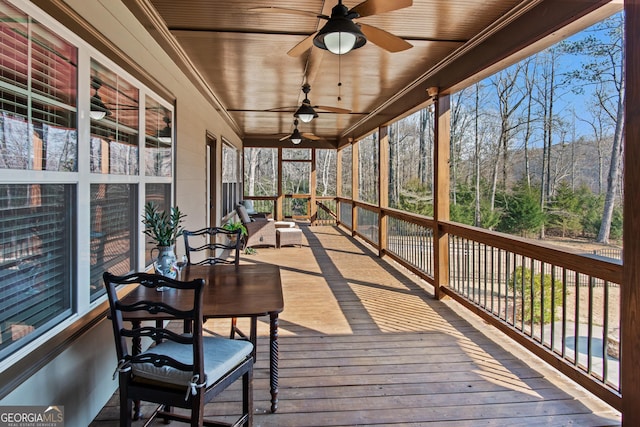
{"x": 313, "y": 209}
{"x": 354, "y": 187}
{"x": 383, "y": 187}
{"x": 280, "y": 196}
{"x": 630, "y": 297}
{"x": 442, "y": 131}
{"x": 338, "y": 181}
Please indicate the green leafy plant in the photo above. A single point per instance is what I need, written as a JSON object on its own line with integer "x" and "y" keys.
{"x": 232, "y": 225}
{"x": 533, "y": 293}
{"x": 164, "y": 228}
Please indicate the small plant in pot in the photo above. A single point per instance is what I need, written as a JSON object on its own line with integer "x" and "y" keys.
{"x": 232, "y": 225}
{"x": 163, "y": 228}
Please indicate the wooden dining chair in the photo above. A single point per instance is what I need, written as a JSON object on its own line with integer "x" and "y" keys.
{"x": 216, "y": 244}
{"x": 220, "y": 246}
{"x": 178, "y": 370}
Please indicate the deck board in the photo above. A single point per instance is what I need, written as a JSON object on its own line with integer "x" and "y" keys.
{"x": 364, "y": 344}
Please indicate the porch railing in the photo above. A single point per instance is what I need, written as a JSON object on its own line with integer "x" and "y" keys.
{"x": 561, "y": 305}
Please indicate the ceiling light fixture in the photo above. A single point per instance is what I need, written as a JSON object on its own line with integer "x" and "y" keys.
{"x": 165, "y": 134}
{"x": 295, "y": 137}
{"x": 97, "y": 110}
{"x": 340, "y": 34}
{"x": 306, "y": 113}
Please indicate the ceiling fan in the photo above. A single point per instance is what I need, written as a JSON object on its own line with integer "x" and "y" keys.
{"x": 340, "y": 34}
{"x": 296, "y": 136}
{"x": 306, "y": 112}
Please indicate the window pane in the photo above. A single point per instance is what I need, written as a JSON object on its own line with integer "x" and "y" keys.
{"x": 326, "y": 172}
{"x": 158, "y": 139}
{"x": 53, "y": 66}
{"x": 295, "y": 177}
{"x": 160, "y": 194}
{"x": 55, "y": 139}
{"x": 14, "y": 46}
{"x": 38, "y": 129}
{"x": 296, "y": 154}
{"x": 368, "y": 169}
{"x": 260, "y": 171}
{"x": 114, "y": 123}
{"x": 411, "y": 146}
{"x": 230, "y": 178}
{"x": 347, "y": 172}
{"x": 36, "y": 260}
{"x": 113, "y": 231}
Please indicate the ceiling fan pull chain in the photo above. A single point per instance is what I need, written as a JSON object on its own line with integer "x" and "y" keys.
{"x": 339, "y": 77}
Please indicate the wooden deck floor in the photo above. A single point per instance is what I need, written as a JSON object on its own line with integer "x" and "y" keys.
{"x": 363, "y": 344}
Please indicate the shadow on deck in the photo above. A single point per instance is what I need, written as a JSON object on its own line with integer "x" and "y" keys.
{"x": 362, "y": 343}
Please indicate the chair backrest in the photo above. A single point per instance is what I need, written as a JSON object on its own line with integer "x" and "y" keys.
{"x": 219, "y": 245}
{"x": 243, "y": 214}
{"x": 189, "y": 311}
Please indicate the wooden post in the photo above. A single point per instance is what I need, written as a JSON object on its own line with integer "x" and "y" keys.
{"x": 280, "y": 196}
{"x": 338, "y": 181}
{"x": 442, "y": 126}
{"x": 630, "y": 297}
{"x": 313, "y": 209}
{"x": 383, "y": 187}
{"x": 355, "y": 194}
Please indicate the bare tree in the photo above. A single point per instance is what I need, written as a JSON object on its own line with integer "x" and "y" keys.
{"x": 605, "y": 72}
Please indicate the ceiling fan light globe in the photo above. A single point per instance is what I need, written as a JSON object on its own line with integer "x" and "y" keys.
{"x": 340, "y": 43}
{"x": 97, "y": 115}
{"x": 339, "y": 35}
{"x": 98, "y": 110}
{"x": 306, "y": 113}
{"x": 296, "y": 137}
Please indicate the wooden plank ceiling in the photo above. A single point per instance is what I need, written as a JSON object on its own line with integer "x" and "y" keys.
{"x": 242, "y": 55}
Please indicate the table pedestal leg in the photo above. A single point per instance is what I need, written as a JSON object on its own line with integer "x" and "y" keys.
{"x": 273, "y": 353}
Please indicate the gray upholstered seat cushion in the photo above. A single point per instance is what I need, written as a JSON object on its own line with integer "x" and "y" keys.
{"x": 220, "y": 356}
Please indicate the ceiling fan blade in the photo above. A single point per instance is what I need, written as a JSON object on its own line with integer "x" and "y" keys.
{"x": 302, "y": 47}
{"x": 284, "y": 137}
{"x": 374, "y": 7}
{"x": 310, "y": 136}
{"x": 384, "y": 39}
{"x": 283, "y": 109}
{"x": 332, "y": 109}
{"x": 273, "y": 9}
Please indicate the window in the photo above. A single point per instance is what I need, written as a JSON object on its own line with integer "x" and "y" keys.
{"x": 326, "y": 172}
{"x": 158, "y": 139}
{"x": 347, "y": 172}
{"x": 114, "y": 123}
{"x": 368, "y": 169}
{"x": 36, "y": 260}
{"x": 37, "y": 128}
{"x": 49, "y": 218}
{"x": 230, "y": 178}
{"x": 113, "y": 231}
{"x": 160, "y": 194}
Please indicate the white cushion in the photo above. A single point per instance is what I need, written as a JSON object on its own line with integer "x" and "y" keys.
{"x": 285, "y": 224}
{"x": 220, "y": 356}
{"x": 248, "y": 204}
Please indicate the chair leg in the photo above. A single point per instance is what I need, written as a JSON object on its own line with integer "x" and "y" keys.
{"x": 126, "y": 407}
{"x": 247, "y": 397}
{"x": 234, "y": 322}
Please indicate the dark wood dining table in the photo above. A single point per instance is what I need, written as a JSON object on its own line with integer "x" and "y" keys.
{"x": 247, "y": 290}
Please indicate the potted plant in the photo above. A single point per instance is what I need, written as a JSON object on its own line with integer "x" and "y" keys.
{"x": 232, "y": 225}
{"x": 164, "y": 228}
